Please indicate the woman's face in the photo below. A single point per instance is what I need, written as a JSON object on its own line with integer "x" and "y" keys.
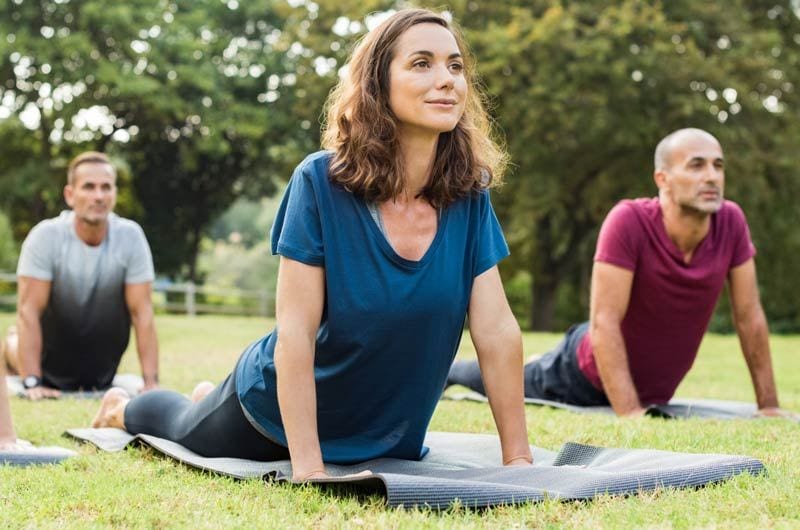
{"x": 427, "y": 87}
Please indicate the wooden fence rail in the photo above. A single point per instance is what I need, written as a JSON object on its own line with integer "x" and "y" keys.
{"x": 186, "y": 298}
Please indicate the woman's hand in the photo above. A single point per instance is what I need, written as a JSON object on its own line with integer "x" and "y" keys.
{"x": 519, "y": 461}
{"x": 299, "y": 478}
{"x": 322, "y": 474}
{"x": 776, "y": 412}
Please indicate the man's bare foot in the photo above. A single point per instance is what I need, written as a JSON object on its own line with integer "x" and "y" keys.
{"x": 112, "y": 409}
{"x": 201, "y": 391}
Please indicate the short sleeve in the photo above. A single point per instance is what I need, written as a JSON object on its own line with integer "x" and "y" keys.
{"x": 620, "y": 237}
{"x": 492, "y": 246}
{"x": 297, "y": 230}
{"x": 139, "y": 268}
{"x": 743, "y": 248}
{"x": 37, "y": 259}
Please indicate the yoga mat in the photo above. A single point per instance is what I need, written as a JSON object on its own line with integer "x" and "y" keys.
{"x": 466, "y": 468}
{"x": 34, "y": 456}
{"x": 677, "y": 408}
{"x": 130, "y": 383}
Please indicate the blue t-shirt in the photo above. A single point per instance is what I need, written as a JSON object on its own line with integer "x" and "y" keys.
{"x": 390, "y": 326}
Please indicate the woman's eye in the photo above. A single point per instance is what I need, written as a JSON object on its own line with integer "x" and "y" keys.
{"x": 421, "y": 64}
{"x": 457, "y": 67}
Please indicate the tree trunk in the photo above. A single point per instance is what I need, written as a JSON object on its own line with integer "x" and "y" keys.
{"x": 543, "y": 306}
{"x": 194, "y": 251}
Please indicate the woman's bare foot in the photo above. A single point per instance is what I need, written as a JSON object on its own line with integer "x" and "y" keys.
{"x": 201, "y": 391}
{"x": 112, "y": 409}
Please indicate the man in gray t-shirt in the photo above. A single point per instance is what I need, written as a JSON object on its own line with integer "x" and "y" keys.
{"x": 84, "y": 277}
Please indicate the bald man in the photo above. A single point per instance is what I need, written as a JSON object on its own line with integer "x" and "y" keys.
{"x": 659, "y": 268}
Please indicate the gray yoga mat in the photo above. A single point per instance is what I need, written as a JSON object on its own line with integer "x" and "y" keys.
{"x": 130, "y": 383}
{"x": 466, "y": 468}
{"x": 677, "y": 408}
{"x": 35, "y": 456}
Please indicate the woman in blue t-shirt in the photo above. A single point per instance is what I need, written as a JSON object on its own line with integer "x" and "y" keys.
{"x": 388, "y": 241}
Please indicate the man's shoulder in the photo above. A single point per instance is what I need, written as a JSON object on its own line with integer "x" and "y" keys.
{"x": 730, "y": 209}
{"x": 639, "y": 205}
{"x": 125, "y": 226}
{"x": 731, "y": 221}
{"x": 42, "y": 246}
{"x": 52, "y": 227}
{"x": 633, "y": 213}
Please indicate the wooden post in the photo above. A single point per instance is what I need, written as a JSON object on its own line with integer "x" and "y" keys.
{"x": 191, "y": 309}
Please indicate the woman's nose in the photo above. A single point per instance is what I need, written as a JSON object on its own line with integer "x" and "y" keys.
{"x": 444, "y": 78}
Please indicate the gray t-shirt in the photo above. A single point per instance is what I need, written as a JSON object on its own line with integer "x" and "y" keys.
{"x": 86, "y": 325}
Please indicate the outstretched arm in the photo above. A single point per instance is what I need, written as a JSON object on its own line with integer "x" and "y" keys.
{"x": 299, "y": 302}
{"x": 139, "y": 300}
{"x": 498, "y": 342}
{"x": 32, "y": 298}
{"x": 751, "y": 326}
{"x": 611, "y": 291}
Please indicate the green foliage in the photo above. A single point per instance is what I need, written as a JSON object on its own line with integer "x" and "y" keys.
{"x": 29, "y": 191}
{"x": 518, "y": 292}
{"x": 208, "y": 102}
{"x": 584, "y": 91}
{"x": 233, "y": 265}
{"x": 199, "y": 98}
{"x": 8, "y": 247}
{"x": 238, "y": 253}
{"x": 247, "y": 222}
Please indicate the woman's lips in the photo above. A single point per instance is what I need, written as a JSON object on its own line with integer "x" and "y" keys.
{"x": 443, "y": 102}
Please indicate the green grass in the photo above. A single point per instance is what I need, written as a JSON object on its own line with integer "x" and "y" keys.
{"x": 140, "y": 489}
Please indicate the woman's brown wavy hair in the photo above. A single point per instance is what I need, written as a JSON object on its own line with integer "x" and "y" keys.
{"x": 362, "y": 130}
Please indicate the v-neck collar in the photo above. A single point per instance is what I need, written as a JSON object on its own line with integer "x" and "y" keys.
{"x": 673, "y": 248}
{"x": 386, "y": 246}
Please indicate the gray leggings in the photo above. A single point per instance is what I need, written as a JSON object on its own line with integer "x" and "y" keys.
{"x": 213, "y": 427}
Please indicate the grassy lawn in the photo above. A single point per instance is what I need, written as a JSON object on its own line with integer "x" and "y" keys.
{"x": 140, "y": 489}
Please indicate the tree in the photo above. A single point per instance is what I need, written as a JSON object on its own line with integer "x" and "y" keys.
{"x": 584, "y": 91}
{"x": 181, "y": 91}
{"x": 8, "y": 247}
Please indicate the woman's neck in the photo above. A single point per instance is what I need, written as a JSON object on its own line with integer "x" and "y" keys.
{"x": 418, "y": 152}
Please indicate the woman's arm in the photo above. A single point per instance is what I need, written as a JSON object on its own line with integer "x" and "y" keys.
{"x": 498, "y": 341}
{"x": 8, "y": 436}
{"x": 299, "y": 302}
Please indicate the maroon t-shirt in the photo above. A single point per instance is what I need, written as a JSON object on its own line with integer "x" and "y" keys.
{"x": 671, "y": 302}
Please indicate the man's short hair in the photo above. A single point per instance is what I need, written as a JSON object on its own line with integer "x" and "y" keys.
{"x": 660, "y": 160}
{"x": 89, "y": 157}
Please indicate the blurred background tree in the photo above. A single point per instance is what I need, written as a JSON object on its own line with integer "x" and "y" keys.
{"x": 8, "y": 248}
{"x": 207, "y": 104}
{"x": 584, "y": 91}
